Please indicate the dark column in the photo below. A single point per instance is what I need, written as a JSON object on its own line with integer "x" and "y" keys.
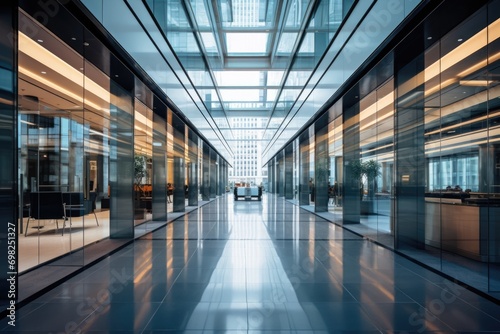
{"x": 213, "y": 174}
{"x": 9, "y": 229}
{"x": 351, "y": 196}
{"x": 223, "y": 178}
{"x": 205, "y": 192}
{"x": 304, "y": 188}
{"x": 219, "y": 175}
{"x": 288, "y": 178}
{"x": 321, "y": 165}
{"x": 270, "y": 180}
{"x": 179, "y": 198}
{"x": 121, "y": 152}
{"x": 193, "y": 184}
{"x": 192, "y": 169}
{"x": 280, "y": 169}
{"x": 488, "y": 155}
{"x": 159, "y": 200}
{"x": 409, "y": 154}
{"x": 179, "y": 180}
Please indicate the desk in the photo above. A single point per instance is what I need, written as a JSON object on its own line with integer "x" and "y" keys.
{"x": 248, "y": 193}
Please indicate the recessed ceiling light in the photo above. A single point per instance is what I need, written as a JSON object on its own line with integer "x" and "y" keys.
{"x": 429, "y": 38}
{"x": 73, "y": 38}
{"x": 43, "y": 72}
{"x": 460, "y": 39}
{"x": 40, "y": 40}
{"x": 86, "y": 44}
{"x": 116, "y": 75}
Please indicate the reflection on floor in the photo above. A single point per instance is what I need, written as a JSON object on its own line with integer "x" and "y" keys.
{"x": 47, "y": 243}
{"x": 44, "y": 242}
{"x": 253, "y": 267}
{"x": 480, "y": 275}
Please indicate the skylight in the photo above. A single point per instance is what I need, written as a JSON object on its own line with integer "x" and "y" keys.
{"x": 249, "y": 58}
{"x": 248, "y": 43}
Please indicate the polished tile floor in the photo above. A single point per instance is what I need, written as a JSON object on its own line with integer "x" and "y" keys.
{"x": 256, "y": 267}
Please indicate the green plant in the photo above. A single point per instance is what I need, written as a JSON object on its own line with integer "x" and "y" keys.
{"x": 370, "y": 169}
{"x": 139, "y": 171}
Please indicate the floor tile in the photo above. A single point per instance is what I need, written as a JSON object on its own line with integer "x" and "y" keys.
{"x": 248, "y": 267}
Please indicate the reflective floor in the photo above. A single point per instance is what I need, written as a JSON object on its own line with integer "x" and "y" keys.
{"x": 256, "y": 267}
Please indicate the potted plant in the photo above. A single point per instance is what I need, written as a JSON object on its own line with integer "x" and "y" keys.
{"x": 356, "y": 170}
{"x": 365, "y": 171}
{"x": 139, "y": 174}
{"x": 371, "y": 170}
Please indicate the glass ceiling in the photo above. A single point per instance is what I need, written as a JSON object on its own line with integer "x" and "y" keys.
{"x": 257, "y": 55}
{"x": 277, "y": 62}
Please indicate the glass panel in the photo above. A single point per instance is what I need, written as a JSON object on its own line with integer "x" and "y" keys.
{"x": 457, "y": 146}
{"x": 335, "y": 167}
{"x": 242, "y": 13}
{"x": 64, "y": 147}
{"x": 179, "y": 181}
{"x": 305, "y": 186}
{"x": 51, "y": 160}
{"x": 143, "y": 163}
{"x": 121, "y": 158}
{"x": 289, "y": 190}
{"x": 376, "y": 144}
{"x": 321, "y": 164}
{"x": 159, "y": 162}
{"x": 206, "y": 173}
{"x": 192, "y": 166}
{"x": 170, "y": 162}
{"x": 10, "y": 197}
{"x": 213, "y": 174}
{"x": 250, "y": 43}
{"x": 493, "y": 105}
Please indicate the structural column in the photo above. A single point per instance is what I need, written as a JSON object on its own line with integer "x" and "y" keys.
{"x": 205, "y": 192}
{"x": 304, "y": 188}
{"x": 179, "y": 164}
{"x": 192, "y": 169}
{"x": 288, "y": 183}
{"x": 352, "y": 192}
{"x": 213, "y": 174}
{"x": 321, "y": 164}
{"x": 121, "y": 153}
{"x": 159, "y": 200}
{"x": 9, "y": 229}
{"x": 409, "y": 154}
{"x": 280, "y": 169}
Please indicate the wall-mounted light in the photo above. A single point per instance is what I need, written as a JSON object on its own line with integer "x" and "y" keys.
{"x": 476, "y": 83}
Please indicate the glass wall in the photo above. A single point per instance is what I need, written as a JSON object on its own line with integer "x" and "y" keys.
{"x": 159, "y": 182}
{"x": 63, "y": 147}
{"x": 96, "y": 147}
{"x": 8, "y": 146}
{"x": 321, "y": 159}
{"x": 143, "y": 163}
{"x": 376, "y": 144}
{"x": 335, "y": 181}
{"x": 192, "y": 168}
{"x": 412, "y": 145}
